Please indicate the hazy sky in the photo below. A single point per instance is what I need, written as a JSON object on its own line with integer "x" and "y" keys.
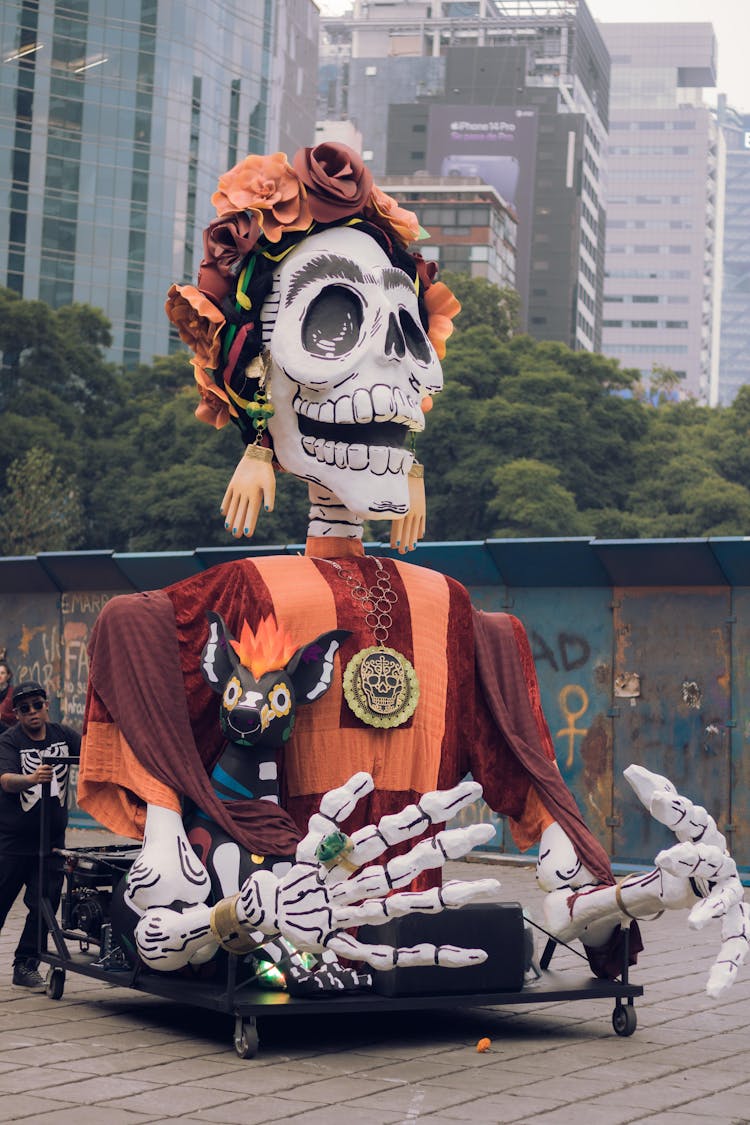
{"x": 731, "y": 20}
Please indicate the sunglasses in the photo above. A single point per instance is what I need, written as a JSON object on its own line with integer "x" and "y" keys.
{"x": 35, "y": 705}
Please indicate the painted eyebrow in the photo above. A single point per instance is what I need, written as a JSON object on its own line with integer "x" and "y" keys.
{"x": 328, "y": 266}
{"x": 394, "y": 278}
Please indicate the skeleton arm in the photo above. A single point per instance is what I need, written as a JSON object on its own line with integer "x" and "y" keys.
{"x": 313, "y": 904}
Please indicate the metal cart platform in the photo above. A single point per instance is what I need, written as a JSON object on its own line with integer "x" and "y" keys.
{"x": 81, "y": 942}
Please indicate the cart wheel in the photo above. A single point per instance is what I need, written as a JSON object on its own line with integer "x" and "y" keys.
{"x": 624, "y": 1019}
{"x": 245, "y": 1037}
{"x": 55, "y": 983}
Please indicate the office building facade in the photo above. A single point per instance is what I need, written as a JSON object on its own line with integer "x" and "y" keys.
{"x": 664, "y": 208}
{"x": 734, "y": 355}
{"x": 515, "y": 92}
{"x": 472, "y": 229}
{"x": 115, "y": 122}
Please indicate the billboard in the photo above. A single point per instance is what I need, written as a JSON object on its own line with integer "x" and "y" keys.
{"x": 497, "y": 144}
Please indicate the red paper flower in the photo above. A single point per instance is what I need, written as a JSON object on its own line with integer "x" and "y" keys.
{"x": 198, "y": 322}
{"x": 267, "y": 186}
{"x": 442, "y": 306}
{"x": 337, "y": 181}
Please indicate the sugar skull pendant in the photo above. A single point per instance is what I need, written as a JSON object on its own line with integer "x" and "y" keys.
{"x": 381, "y": 687}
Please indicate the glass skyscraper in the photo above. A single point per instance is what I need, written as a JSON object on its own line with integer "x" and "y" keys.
{"x": 666, "y": 170}
{"x": 115, "y": 123}
{"x": 734, "y": 362}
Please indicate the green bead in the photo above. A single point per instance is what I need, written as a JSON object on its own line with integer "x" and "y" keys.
{"x": 330, "y": 847}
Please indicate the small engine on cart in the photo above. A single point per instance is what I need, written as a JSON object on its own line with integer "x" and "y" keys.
{"x": 90, "y": 879}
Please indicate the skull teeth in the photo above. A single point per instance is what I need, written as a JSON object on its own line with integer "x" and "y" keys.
{"x": 379, "y": 403}
{"x": 379, "y": 459}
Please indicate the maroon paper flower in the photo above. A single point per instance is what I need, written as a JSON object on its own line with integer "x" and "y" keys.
{"x": 228, "y": 241}
{"x": 426, "y": 271}
{"x": 338, "y": 182}
{"x": 226, "y": 244}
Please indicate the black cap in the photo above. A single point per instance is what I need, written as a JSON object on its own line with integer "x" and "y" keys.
{"x": 28, "y": 687}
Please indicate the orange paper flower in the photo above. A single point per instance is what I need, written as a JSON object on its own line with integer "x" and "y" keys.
{"x": 442, "y": 306}
{"x": 269, "y": 188}
{"x": 403, "y": 224}
{"x": 214, "y": 407}
{"x": 198, "y": 322}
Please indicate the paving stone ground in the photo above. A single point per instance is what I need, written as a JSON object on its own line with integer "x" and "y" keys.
{"x": 106, "y": 1055}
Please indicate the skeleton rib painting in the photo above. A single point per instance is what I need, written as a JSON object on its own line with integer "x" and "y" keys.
{"x": 318, "y": 333}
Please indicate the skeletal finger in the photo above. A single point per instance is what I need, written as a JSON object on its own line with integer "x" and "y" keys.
{"x": 335, "y": 806}
{"x": 450, "y": 896}
{"x": 645, "y": 784}
{"x": 432, "y": 808}
{"x": 735, "y": 932}
{"x": 387, "y": 957}
{"x": 374, "y": 881}
{"x": 703, "y": 861}
{"x": 717, "y": 904}
{"x": 689, "y": 822}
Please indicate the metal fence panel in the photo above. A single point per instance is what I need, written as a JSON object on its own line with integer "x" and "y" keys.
{"x": 672, "y": 697}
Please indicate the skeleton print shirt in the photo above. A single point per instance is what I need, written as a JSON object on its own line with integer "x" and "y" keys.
{"x": 20, "y": 813}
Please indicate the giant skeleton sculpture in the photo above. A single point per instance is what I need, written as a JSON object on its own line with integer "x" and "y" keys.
{"x": 320, "y": 335}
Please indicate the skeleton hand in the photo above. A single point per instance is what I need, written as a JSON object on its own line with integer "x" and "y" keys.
{"x": 167, "y": 869}
{"x": 701, "y": 858}
{"x": 253, "y": 483}
{"x": 312, "y": 904}
{"x": 170, "y": 939}
{"x": 696, "y": 873}
{"x": 405, "y": 532}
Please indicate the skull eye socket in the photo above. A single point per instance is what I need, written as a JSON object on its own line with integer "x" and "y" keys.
{"x": 332, "y": 323}
{"x": 415, "y": 339}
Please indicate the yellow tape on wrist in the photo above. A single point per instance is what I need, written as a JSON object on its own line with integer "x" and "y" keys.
{"x": 226, "y": 928}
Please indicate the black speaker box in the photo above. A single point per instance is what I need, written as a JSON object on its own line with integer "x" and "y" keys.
{"x": 496, "y": 927}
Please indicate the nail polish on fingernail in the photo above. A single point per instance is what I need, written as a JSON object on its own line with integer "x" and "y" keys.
{"x": 247, "y": 531}
{"x": 266, "y": 508}
{"x": 398, "y": 542}
{"x": 226, "y": 523}
{"x": 234, "y": 531}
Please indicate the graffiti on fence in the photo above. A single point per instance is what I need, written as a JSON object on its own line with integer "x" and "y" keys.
{"x": 571, "y": 732}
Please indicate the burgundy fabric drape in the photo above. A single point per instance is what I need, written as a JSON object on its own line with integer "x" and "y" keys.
{"x": 148, "y": 705}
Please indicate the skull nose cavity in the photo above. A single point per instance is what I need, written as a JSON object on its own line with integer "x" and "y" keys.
{"x": 395, "y": 345}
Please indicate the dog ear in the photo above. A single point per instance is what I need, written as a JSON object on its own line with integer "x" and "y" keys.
{"x": 218, "y": 659}
{"x": 311, "y": 667}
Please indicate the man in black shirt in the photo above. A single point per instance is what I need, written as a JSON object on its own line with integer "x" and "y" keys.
{"x": 21, "y": 777}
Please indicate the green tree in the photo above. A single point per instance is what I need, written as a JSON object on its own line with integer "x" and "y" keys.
{"x": 530, "y": 502}
{"x": 41, "y": 509}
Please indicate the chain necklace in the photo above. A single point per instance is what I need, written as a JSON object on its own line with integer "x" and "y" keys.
{"x": 380, "y": 684}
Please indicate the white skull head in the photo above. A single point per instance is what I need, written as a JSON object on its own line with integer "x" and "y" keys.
{"x": 351, "y": 365}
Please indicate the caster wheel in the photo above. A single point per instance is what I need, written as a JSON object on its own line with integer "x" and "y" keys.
{"x": 55, "y": 983}
{"x": 245, "y": 1038}
{"x": 624, "y": 1019}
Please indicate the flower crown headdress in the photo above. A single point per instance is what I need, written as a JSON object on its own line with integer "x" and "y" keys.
{"x": 265, "y": 206}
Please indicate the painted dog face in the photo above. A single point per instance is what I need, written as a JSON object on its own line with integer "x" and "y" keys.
{"x": 264, "y": 677}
